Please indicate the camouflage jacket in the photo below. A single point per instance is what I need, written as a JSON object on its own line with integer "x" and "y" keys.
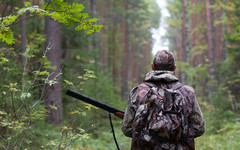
{"x": 195, "y": 119}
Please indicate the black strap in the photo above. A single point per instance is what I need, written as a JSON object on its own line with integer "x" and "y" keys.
{"x": 114, "y": 137}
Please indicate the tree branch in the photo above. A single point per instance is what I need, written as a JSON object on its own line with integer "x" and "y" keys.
{"x": 47, "y": 4}
{"x": 3, "y": 13}
{"x": 20, "y": 20}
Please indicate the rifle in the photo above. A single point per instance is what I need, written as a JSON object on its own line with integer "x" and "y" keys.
{"x": 96, "y": 103}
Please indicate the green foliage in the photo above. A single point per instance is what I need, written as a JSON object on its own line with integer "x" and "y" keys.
{"x": 217, "y": 94}
{"x": 22, "y": 104}
{"x": 71, "y": 15}
{"x": 226, "y": 134}
{"x": 105, "y": 138}
{"x": 193, "y": 73}
{"x": 6, "y": 35}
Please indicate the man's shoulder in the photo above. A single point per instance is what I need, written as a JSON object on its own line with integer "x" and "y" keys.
{"x": 142, "y": 87}
{"x": 189, "y": 88}
{"x": 140, "y": 91}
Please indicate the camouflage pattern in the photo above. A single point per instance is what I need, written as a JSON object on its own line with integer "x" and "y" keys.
{"x": 164, "y": 60}
{"x": 160, "y": 75}
{"x": 193, "y": 125}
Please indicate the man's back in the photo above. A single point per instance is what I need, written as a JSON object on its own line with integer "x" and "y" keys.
{"x": 141, "y": 93}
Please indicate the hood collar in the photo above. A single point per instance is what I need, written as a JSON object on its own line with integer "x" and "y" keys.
{"x": 160, "y": 75}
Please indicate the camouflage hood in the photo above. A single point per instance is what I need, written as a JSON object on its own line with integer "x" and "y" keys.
{"x": 160, "y": 75}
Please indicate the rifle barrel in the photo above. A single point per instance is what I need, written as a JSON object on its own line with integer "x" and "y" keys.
{"x": 93, "y": 102}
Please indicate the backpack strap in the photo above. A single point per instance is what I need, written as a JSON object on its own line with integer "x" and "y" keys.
{"x": 142, "y": 91}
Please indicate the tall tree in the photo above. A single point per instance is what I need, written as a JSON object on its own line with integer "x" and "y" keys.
{"x": 219, "y": 53}
{"x": 184, "y": 36}
{"x": 125, "y": 51}
{"x": 53, "y": 91}
{"x": 103, "y": 35}
{"x": 210, "y": 36}
{"x": 23, "y": 35}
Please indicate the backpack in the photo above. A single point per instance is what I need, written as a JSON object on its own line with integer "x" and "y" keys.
{"x": 161, "y": 115}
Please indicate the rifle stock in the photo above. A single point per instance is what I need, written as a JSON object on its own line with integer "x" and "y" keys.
{"x": 96, "y": 103}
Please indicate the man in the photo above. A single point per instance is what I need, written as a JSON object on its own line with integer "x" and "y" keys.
{"x": 163, "y": 67}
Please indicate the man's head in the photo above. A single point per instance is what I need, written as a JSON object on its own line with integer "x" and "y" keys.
{"x": 164, "y": 60}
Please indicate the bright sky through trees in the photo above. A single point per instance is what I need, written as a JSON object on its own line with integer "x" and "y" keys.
{"x": 159, "y": 42}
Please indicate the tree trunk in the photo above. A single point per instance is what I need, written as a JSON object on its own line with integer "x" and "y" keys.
{"x": 179, "y": 54}
{"x": 184, "y": 38}
{"x": 103, "y": 36}
{"x": 53, "y": 92}
{"x": 210, "y": 37}
{"x": 219, "y": 38}
{"x": 147, "y": 58}
{"x": 125, "y": 53}
{"x": 23, "y": 37}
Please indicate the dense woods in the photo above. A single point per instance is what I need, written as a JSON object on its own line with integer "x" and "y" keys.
{"x": 102, "y": 49}
{"x": 203, "y": 34}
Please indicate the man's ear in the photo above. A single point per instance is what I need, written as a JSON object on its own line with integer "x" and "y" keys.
{"x": 152, "y": 65}
{"x": 174, "y": 67}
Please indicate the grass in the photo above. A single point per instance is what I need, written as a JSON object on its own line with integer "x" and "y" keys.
{"x": 227, "y": 138}
{"x": 47, "y": 136}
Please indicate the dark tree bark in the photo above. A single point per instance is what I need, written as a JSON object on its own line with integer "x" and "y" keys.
{"x": 103, "y": 36}
{"x": 125, "y": 52}
{"x": 184, "y": 37}
{"x": 114, "y": 41}
{"x": 195, "y": 38}
{"x": 219, "y": 38}
{"x": 210, "y": 37}
{"x": 94, "y": 40}
{"x": 53, "y": 92}
{"x": 178, "y": 39}
{"x": 23, "y": 37}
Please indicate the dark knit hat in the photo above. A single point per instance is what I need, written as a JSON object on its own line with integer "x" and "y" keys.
{"x": 164, "y": 60}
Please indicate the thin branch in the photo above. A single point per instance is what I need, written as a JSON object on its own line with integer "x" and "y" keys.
{"x": 4, "y": 11}
{"x": 25, "y": 133}
{"x": 13, "y": 23}
{"x": 59, "y": 146}
{"x": 3, "y": 138}
{"x": 71, "y": 108}
{"x": 71, "y": 141}
{"x": 47, "y": 4}
{"x": 3, "y": 147}
{"x": 12, "y": 134}
{"x": 43, "y": 89}
{"x": 35, "y": 78}
{"x": 13, "y": 106}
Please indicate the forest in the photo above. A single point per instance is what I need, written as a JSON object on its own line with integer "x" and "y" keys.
{"x": 102, "y": 49}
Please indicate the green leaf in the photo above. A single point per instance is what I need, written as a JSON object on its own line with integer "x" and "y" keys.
{"x": 27, "y": 4}
{"x": 68, "y": 82}
{"x": 10, "y": 19}
{"x": 53, "y": 107}
{"x": 51, "y": 82}
{"x": 7, "y": 36}
{"x": 25, "y": 95}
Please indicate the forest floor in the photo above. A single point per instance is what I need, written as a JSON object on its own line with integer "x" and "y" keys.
{"x": 226, "y": 137}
